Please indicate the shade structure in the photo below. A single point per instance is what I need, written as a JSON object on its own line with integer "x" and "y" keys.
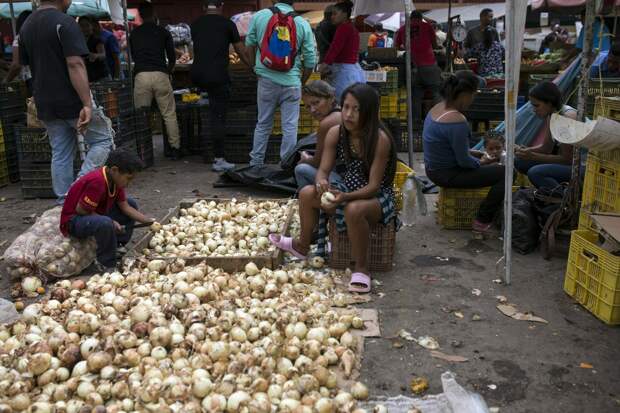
{"x": 96, "y": 8}
{"x": 390, "y": 21}
{"x": 467, "y": 13}
{"x": 363, "y": 7}
{"x": 560, "y": 4}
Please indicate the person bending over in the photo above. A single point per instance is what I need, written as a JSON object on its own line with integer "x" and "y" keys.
{"x": 96, "y": 206}
{"x": 320, "y": 99}
{"x": 364, "y": 198}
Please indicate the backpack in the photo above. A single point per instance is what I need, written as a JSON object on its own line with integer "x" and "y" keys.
{"x": 279, "y": 45}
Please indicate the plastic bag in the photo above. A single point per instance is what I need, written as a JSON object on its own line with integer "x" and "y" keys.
{"x": 461, "y": 401}
{"x": 43, "y": 251}
{"x": 414, "y": 202}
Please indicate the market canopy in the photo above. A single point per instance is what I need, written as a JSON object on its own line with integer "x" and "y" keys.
{"x": 466, "y": 13}
{"x": 560, "y": 4}
{"x": 364, "y": 7}
{"x": 390, "y": 21}
{"x": 96, "y": 8}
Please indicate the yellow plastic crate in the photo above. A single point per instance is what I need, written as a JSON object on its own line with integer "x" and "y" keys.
{"x": 522, "y": 181}
{"x": 457, "y": 207}
{"x": 314, "y": 76}
{"x": 611, "y": 156}
{"x": 389, "y": 106}
{"x": 593, "y": 277}
{"x": 607, "y": 107}
{"x": 402, "y": 172}
{"x": 601, "y": 188}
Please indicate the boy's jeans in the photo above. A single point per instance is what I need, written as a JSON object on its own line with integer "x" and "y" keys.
{"x": 63, "y": 140}
{"x": 271, "y": 96}
{"x": 102, "y": 228}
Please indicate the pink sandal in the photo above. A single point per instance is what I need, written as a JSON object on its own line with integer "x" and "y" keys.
{"x": 359, "y": 278}
{"x": 285, "y": 244}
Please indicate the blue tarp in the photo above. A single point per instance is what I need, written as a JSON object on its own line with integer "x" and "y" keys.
{"x": 528, "y": 124}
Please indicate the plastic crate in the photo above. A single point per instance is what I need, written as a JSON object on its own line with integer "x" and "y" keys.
{"x": 402, "y": 172}
{"x": 389, "y": 106}
{"x": 488, "y": 105}
{"x": 610, "y": 156}
{"x": 114, "y": 96}
{"x": 522, "y": 181}
{"x": 390, "y": 86}
{"x": 601, "y": 189}
{"x": 4, "y": 171}
{"x": 192, "y": 119}
{"x": 458, "y": 207}
{"x": 33, "y": 145}
{"x": 36, "y": 180}
{"x": 238, "y": 148}
{"x": 380, "y": 248}
{"x": 238, "y": 121}
{"x": 600, "y": 87}
{"x": 607, "y": 107}
{"x": 144, "y": 137}
{"x": 593, "y": 277}
{"x": 11, "y": 119}
{"x": 244, "y": 84}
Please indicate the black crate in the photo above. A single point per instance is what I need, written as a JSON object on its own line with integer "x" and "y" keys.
{"x": 36, "y": 180}
{"x": 144, "y": 137}
{"x": 12, "y": 95}
{"x": 244, "y": 85}
{"x": 190, "y": 120}
{"x": 239, "y": 121}
{"x": 488, "y": 105}
{"x": 10, "y": 120}
{"x": 33, "y": 144}
{"x": 114, "y": 96}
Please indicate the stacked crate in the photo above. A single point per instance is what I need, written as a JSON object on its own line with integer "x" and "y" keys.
{"x": 4, "y": 170}
{"x": 35, "y": 157}
{"x": 12, "y": 115}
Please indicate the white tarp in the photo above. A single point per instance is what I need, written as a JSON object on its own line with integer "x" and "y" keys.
{"x": 467, "y": 13}
{"x": 601, "y": 134}
{"x": 116, "y": 11}
{"x": 362, "y": 7}
{"x": 390, "y": 21}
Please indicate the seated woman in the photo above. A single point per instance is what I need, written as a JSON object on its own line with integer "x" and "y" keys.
{"x": 364, "y": 198}
{"x": 547, "y": 164}
{"x": 447, "y": 156}
{"x": 320, "y": 100}
{"x": 490, "y": 54}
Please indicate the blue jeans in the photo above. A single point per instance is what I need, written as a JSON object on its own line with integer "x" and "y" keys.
{"x": 63, "y": 140}
{"x": 305, "y": 174}
{"x": 271, "y": 96}
{"x": 344, "y": 75}
{"x": 548, "y": 176}
{"x": 102, "y": 228}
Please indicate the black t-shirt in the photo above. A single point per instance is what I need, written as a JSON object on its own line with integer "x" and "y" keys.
{"x": 212, "y": 35}
{"x": 150, "y": 46}
{"x": 46, "y": 39}
{"x": 96, "y": 70}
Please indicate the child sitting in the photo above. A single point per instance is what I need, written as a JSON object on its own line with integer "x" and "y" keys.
{"x": 494, "y": 151}
{"x": 96, "y": 206}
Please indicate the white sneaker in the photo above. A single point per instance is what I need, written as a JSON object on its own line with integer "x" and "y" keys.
{"x": 221, "y": 165}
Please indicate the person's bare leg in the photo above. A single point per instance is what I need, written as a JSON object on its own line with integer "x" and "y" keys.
{"x": 359, "y": 216}
{"x": 309, "y": 205}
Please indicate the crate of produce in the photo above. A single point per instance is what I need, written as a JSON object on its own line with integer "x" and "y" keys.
{"x": 607, "y": 107}
{"x": 380, "y": 247}
{"x": 601, "y": 189}
{"x": 593, "y": 277}
{"x": 36, "y": 180}
{"x": 389, "y": 106}
{"x": 280, "y": 210}
{"x": 402, "y": 172}
{"x": 33, "y": 144}
{"x": 384, "y": 80}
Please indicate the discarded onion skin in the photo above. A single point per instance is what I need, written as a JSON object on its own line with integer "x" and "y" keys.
{"x": 174, "y": 338}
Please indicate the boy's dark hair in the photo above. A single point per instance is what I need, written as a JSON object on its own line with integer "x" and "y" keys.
{"x": 126, "y": 162}
{"x": 493, "y": 135}
{"x": 146, "y": 10}
{"x": 485, "y": 12}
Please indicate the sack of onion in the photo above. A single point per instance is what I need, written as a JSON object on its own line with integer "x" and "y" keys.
{"x": 43, "y": 251}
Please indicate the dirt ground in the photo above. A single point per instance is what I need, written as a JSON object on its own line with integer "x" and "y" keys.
{"x": 517, "y": 366}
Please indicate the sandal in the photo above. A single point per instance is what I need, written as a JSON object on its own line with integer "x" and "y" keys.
{"x": 285, "y": 244}
{"x": 357, "y": 279}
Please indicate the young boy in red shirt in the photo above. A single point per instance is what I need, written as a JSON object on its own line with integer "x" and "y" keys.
{"x": 96, "y": 205}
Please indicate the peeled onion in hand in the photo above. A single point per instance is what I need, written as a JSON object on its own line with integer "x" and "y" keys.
{"x": 327, "y": 199}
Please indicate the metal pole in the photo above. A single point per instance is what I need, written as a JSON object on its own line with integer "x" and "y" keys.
{"x": 515, "y": 24}
{"x": 408, "y": 10}
{"x": 129, "y": 65}
{"x": 450, "y": 62}
{"x": 13, "y": 25}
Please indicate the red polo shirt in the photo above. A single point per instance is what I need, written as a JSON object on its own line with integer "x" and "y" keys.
{"x": 92, "y": 192}
{"x": 422, "y": 35}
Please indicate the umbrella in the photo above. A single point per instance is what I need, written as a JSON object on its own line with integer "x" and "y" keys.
{"x": 390, "y": 21}
{"x": 242, "y": 21}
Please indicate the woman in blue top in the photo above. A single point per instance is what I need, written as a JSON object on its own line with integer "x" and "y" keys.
{"x": 447, "y": 157}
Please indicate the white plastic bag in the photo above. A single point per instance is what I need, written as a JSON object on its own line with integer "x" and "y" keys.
{"x": 43, "y": 251}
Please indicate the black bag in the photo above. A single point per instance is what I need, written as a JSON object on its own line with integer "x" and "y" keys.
{"x": 525, "y": 224}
